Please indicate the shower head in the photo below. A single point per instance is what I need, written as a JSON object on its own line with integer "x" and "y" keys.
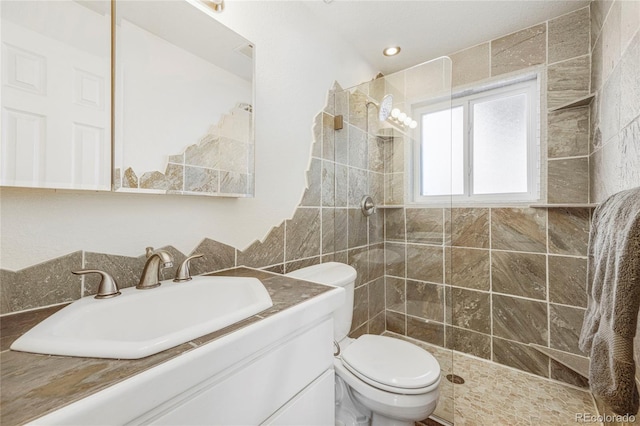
{"x": 385, "y": 107}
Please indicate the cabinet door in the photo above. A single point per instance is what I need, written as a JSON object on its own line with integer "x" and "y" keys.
{"x": 56, "y": 85}
{"x": 314, "y": 406}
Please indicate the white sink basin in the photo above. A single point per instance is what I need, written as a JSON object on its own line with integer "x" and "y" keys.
{"x": 139, "y": 323}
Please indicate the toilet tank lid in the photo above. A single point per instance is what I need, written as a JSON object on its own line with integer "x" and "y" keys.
{"x": 330, "y": 273}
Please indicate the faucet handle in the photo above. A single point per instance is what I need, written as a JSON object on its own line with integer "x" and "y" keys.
{"x": 183, "y": 274}
{"x": 108, "y": 286}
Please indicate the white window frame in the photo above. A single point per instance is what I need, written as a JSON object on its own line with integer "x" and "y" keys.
{"x": 524, "y": 85}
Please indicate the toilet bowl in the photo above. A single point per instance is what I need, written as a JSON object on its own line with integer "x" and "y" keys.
{"x": 380, "y": 380}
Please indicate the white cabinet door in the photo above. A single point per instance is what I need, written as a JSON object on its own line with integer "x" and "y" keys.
{"x": 56, "y": 109}
{"x": 314, "y": 406}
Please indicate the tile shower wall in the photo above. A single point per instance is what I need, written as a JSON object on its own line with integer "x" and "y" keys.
{"x": 490, "y": 281}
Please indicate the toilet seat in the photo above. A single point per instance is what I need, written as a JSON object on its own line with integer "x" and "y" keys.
{"x": 391, "y": 365}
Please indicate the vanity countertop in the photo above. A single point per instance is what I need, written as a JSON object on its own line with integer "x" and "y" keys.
{"x": 32, "y": 385}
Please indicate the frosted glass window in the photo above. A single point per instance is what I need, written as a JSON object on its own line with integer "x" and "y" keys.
{"x": 442, "y": 152}
{"x": 500, "y": 145}
{"x": 480, "y": 148}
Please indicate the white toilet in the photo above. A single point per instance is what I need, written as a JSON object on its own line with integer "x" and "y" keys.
{"x": 379, "y": 380}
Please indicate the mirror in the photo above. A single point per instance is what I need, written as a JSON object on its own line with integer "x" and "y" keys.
{"x": 183, "y": 102}
{"x": 56, "y": 85}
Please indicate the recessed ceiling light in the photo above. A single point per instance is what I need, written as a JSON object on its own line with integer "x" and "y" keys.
{"x": 391, "y": 51}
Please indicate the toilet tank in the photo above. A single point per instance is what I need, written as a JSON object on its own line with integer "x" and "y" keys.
{"x": 337, "y": 275}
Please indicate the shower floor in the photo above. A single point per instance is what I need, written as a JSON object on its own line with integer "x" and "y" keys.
{"x": 495, "y": 395}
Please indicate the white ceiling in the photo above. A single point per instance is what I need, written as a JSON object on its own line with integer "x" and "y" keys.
{"x": 426, "y": 29}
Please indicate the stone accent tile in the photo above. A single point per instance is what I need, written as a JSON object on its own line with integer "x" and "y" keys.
{"x": 198, "y": 179}
{"x": 269, "y": 251}
{"x": 328, "y": 231}
{"x": 130, "y": 179}
{"x": 116, "y": 182}
{"x": 425, "y": 330}
{"x": 629, "y": 78}
{"x": 569, "y": 231}
{"x": 376, "y": 261}
{"x": 342, "y": 189}
{"x": 596, "y": 70}
{"x": 519, "y": 50}
{"x": 303, "y": 234}
{"x": 316, "y": 146}
{"x": 609, "y": 107}
{"x": 376, "y": 154}
{"x": 599, "y": 10}
{"x": 328, "y": 137}
{"x": 154, "y": 180}
{"x": 470, "y": 227}
{"x": 311, "y": 195}
{"x": 299, "y": 264}
{"x": 124, "y": 269}
{"x": 175, "y": 177}
{"x": 358, "y": 230}
{"x": 394, "y": 189}
{"x": 611, "y": 38}
{"x": 568, "y": 280}
{"x": 519, "y": 229}
{"x": 376, "y": 188}
{"x": 520, "y": 274}
{"x": 629, "y": 148}
{"x": 470, "y": 268}
{"x": 44, "y": 284}
{"x": 520, "y": 356}
{"x": 354, "y": 334}
{"x": 569, "y": 36}
{"x": 395, "y": 294}
{"x": 568, "y": 180}
{"x": 341, "y": 240}
{"x": 358, "y": 186}
{"x": 377, "y": 324}
{"x": 360, "y": 307}
{"x": 566, "y": 375}
{"x": 425, "y": 226}
{"x": 568, "y": 81}
{"x": 519, "y": 319}
{"x": 341, "y": 101}
{"x": 342, "y": 145}
{"x": 328, "y": 178}
{"x": 469, "y": 309}
{"x": 233, "y": 183}
{"x": 376, "y": 227}
{"x": 358, "y": 109}
{"x": 7, "y": 284}
{"x": 629, "y": 22}
{"x": 425, "y": 300}
{"x": 395, "y": 259}
{"x": 393, "y": 154}
{"x": 376, "y": 297}
{"x": 469, "y": 342}
{"x": 471, "y": 65}
{"x": 565, "y": 323}
{"x": 568, "y": 133}
{"x": 359, "y": 259}
{"x": 396, "y": 323}
{"x": 425, "y": 263}
{"x": 358, "y": 150}
{"x": 276, "y": 269}
{"x": 206, "y": 153}
{"x": 217, "y": 256}
{"x": 394, "y": 225}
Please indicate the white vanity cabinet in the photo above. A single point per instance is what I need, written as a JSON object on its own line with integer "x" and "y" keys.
{"x": 278, "y": 371}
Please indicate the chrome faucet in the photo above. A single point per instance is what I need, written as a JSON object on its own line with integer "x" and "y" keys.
{"x": 156, "y": 260}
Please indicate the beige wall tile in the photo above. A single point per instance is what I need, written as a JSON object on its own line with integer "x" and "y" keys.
{"x": 568, "y": 133}
{"x": 568, "y": 180}
{"x": 471, "y": 65}
{"x": 568, "y": 81}
{"x": 519, "y": 50}
{"x": 569, "y": 36}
